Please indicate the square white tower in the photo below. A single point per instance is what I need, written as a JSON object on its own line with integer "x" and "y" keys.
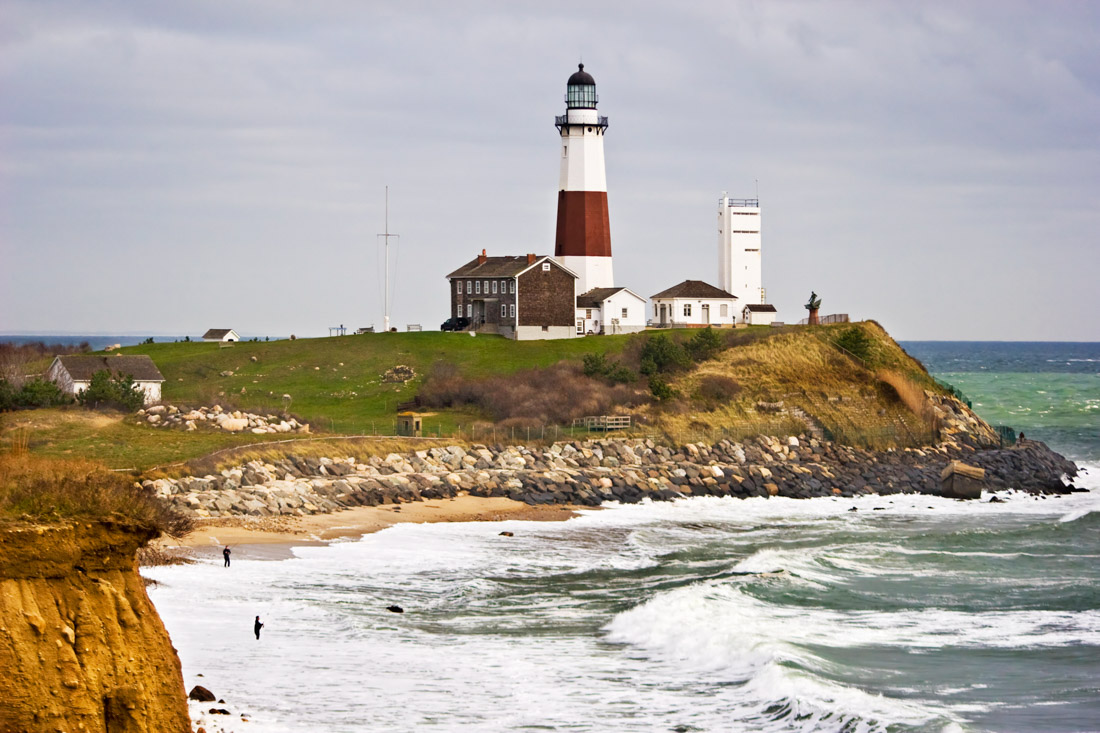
{"x": 739, "y": 249}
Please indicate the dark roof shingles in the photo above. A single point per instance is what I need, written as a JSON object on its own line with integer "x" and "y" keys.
{"x": 694, "y": 289}
{"x": 81, "y": 367}
{"x": 507, "y": 266}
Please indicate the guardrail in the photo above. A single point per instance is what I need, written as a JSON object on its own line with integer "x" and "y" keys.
{"x": 603, "y": 422}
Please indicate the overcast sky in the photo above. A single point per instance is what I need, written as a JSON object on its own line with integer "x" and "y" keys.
{"x": 167, "y": 167}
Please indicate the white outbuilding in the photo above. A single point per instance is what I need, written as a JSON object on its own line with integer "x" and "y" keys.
{"x": 73, "y": 373}
{"x": 610, "y": 310}
{"x": 694, "y": 304}
{"x": 758, "y": 314}
{"x": 228, "y": 335}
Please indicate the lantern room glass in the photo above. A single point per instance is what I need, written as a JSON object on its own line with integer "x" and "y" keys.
{"x": 580, "y": 96}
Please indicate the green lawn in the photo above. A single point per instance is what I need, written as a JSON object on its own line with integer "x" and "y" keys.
{"x": 336, "y": 383}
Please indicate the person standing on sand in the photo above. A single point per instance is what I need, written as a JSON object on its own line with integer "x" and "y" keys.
{"x": 225, "y": 554}
{"x": 256, "y": 627}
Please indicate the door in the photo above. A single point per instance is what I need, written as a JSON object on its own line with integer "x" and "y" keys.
{"x": 706, "y": 314}
{"x": 664, "y": 314}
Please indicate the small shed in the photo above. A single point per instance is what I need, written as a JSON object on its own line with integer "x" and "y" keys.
{"x": 758, "y": 314}
{"x": 228, "y": 335}
{"x": 409, "y": 424}
{"x": 73, "y": 373}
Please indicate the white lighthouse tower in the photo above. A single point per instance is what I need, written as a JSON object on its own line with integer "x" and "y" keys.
{"x": 739, "y": 250}
{"x": 583, "y": 242}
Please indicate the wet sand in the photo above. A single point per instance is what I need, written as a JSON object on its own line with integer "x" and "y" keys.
{"x": 272, "y": 538}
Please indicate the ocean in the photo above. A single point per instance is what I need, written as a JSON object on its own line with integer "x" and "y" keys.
{"x": 910, "y": 613}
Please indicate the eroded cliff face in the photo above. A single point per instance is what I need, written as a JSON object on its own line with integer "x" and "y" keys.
{"x": 81, "y": 646}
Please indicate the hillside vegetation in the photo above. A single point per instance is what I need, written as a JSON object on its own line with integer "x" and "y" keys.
{"x": 734, "y": 382}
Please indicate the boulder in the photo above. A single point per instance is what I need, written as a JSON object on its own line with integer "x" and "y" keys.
{"x": 233, "y": 424}
{"x": 200, "y": 693}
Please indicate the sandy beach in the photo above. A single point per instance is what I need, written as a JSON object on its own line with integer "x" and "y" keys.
{"x": 272, "y": 537}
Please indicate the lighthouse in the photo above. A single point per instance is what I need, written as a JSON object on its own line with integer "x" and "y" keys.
{"x": 583, "y": 241}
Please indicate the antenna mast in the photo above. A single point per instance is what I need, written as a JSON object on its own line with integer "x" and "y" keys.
{"x": 386, "y": 236}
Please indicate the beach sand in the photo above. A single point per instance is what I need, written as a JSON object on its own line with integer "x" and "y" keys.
{"x": 272, "y": 537}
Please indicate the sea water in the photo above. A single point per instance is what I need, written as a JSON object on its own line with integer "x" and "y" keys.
{"x": 909, "y": 613}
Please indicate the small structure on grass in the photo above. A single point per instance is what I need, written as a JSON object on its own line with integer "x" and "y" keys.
{"x": 228, "y": 335}
{"x": 410, "y": 424}
{"x": 758, "y": 314}
{"x": 694, "y": 304}
{"x": 72, "y": 373}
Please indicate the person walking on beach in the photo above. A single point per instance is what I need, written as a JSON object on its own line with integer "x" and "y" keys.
{"x": 225, "y": 554}
{"x": 256, "y": 627}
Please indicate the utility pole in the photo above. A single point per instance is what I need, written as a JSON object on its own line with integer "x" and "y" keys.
{"x": 386, "y": 238}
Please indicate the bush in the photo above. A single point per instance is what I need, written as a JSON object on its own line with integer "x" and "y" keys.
{"x": 855, "y": 341}
{"x": 107, "y": 391}
{"x": 715, "y": 390}
{"x": 597, "y": 365}
{"x": 705, "y": 344}
{"x": 660, "y": 389}
{"x": 35, "y": 393}
{"x": 662, "y": 355}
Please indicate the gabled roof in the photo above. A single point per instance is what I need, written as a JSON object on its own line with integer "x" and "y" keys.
{"x": 507, "y": 266}
{"x": 81, "y": 367}
{"x": 217, "y": 333}
{"x": 595, "y": 297}
{"x": 694, "y": 289}
{"x": 760, "y": 308}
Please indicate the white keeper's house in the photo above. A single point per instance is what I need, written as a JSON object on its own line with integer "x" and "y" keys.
{"x": 694, "y": 304}
{"x": 609, "y": 311}
{"x": 73, "y": 373}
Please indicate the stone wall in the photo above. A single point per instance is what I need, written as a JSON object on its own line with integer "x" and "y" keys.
{"x": 591, "y": 473}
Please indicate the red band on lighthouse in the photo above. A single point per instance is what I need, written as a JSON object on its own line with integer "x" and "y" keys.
{"x": 584, "y": 229}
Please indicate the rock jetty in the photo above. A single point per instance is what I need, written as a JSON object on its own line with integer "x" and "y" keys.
{"x": 590, "y": 473}
{"x": 215, "y": 417}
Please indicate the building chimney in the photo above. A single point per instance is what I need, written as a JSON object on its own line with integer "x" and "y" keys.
{"x": 530, "y": 259}
{"x": 481, "y": 258}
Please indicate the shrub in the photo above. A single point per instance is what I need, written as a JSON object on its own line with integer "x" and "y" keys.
{"x": 855, "y": 341}
{"x": 660, "y": 389}
{"x": 107, "y": 391}
{"x": 597, "y": 365}
{"x": 705, "y": 344}
{"x": 662, "y": 355}
{"x": 715, "y": 389}
{"x": 40, "y": 393}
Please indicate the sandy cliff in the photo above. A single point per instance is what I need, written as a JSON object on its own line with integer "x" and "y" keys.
{"x": 81, "y": 646}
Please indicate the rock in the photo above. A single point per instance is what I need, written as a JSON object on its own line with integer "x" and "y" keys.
{"x": 227, "y": 373}
{"x": 507, "y": 534}
{"x": 219, "y": 711}
{"x": 200, "y": 693}
{"x": 156, "y": 410}
{"x": 395, "y": 609}
{"x": 233, "y": 424}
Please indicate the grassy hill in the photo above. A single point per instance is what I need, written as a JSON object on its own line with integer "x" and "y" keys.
{"x": 338, "y": 385}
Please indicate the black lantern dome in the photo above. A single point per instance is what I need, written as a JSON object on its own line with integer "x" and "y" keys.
{"x": 580, "y": 90}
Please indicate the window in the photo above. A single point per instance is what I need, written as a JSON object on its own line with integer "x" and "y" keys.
{"x": 469, "y": 287}
{"x": 512, "y": 286}
{"x": 469, "y": 310}
{"x": 546, "y": 267}
{"x": 588, "y": 313}
{"x": 565, "y": 151}
{"x": 503, "y": 286}
{"x": 477, "y": 287}
{"x": 503, "y": 310}
{"x": 687, "y": 309}
{"x": 486, "y": 287}
{"x": 545, "y": 328}
{"x": 512, "y": 310}
{"x": 494, "y": 287}
{"x": 724, "y": 309}
{"x": 580, "y": 326}
{"x": 624, "y": 313}
{"x": 459, "y": 310}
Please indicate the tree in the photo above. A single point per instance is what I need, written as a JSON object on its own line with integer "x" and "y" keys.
{"x": 107, "y": 391}
{"x": 855, "y": 341}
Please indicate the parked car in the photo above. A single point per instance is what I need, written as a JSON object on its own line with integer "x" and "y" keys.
{"x": 455, "y": 324}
